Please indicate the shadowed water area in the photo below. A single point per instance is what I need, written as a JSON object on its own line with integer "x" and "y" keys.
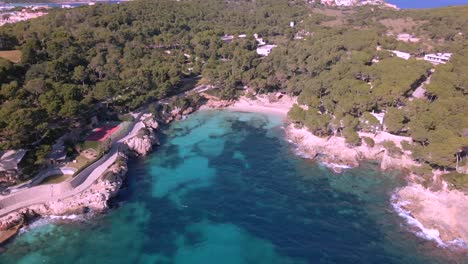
{"x": 225, "y": 187}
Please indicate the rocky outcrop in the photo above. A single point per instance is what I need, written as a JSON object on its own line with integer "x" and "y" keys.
{"x": 142, "y": 143}
{"x": 93, "y": 199}
{"x": 11, "y": 220}
{"x": 337, "y": 154}
{"x": 177, "y": 113}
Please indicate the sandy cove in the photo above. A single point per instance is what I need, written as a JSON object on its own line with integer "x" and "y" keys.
{"x": 264, "y": 104}
{"x": 332, "y": 151}
{"x": 438, "y": 215}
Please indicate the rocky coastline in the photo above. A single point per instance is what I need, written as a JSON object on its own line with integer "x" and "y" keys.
{"x": 413, "y": 202}
{"x": 436, "y": 212}
{"x": 334, "y": 152}
{"x": 95, "y": 198}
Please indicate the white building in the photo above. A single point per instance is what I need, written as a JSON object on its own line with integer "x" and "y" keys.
{"x": 401, "y": 54}
{"x": 345, "y": 2}
{"x": 265, "y": 50}
{"x": 260, "y": 41}
{"x": 227, "y": 38}
{"x": 438, "y": 58}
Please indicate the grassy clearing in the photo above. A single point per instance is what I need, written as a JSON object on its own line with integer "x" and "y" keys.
{"x": 399, "y": 25}
{"x": 56, "y": 179}
{"x": 339, "y": 15}
{"x": 90, "y": 145}
{"x": 81, "y": 161}
{"x": 11, "y": 55}
{"x": 457, "y": 180}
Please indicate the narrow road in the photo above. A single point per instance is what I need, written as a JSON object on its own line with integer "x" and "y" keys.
{"x": 53, "y": 192}
{"x": 82, "y": 181}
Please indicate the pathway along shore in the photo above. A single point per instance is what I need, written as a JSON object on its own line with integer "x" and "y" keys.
{"x": 82, "y": 181}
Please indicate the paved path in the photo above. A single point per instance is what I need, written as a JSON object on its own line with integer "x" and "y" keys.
{"x": 52, "y": 192}
{"x": 82, "y": 181}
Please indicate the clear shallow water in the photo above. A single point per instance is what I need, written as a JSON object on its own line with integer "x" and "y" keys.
{"x": 226, "y": 188}
{"x": 426, "y": 3}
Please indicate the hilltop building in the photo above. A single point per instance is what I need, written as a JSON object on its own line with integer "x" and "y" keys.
{"x": 438, "y": 58}
{"x": 265, "y": 50}
{"x": 401, "y": 54}
{"x": 9, "y": 160}
{"x": 355, "y": 3}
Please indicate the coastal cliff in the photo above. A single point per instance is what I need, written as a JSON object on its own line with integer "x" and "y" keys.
{"x": 337, "y": 154}
{"x": 92, "y": 199}
{"x": 142, "y": 143}
{"x": 96, "y": 197}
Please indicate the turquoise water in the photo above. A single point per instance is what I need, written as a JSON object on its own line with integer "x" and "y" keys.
{"x": 226, "y": 188}
{"x": 426, "y": 3}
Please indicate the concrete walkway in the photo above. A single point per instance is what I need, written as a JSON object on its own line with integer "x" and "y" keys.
{"x": 82, "y": 181}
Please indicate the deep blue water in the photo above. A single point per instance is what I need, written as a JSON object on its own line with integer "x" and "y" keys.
{"x": 226, "y": 188}
{"x": 426, "y": 3}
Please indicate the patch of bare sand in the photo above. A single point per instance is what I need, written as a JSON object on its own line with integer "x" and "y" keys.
{"x": 264, "y": 104}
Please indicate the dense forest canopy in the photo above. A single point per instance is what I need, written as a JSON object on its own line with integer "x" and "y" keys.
{"x": 109, "y": 59}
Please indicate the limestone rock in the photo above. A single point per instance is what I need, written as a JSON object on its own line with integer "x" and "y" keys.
{"x": 11, "y": 220}
{"x": 150, "y": 122}
{"x": 142, "y": 144}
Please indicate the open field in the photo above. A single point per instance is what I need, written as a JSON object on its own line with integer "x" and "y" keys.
{"x": 56, "y": 179}
{"x": 399, "y": 25}
{"x": 11, "y": 55}
{"x": 81, "y": 161}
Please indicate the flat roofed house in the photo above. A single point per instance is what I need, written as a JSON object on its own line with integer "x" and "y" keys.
{"x": 438, "y": 58}
{"x": 9, "y": 161}
{"x": 58, "y": 154}
{"x": 265, "y": 50}
{"x": 401, "y": 54}
{"x": 227, "y": 38}
{"x": 345, "y": 2}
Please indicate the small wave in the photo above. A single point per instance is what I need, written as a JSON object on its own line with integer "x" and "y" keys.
{"x": 66, "y": 217}
{"x": 52, "y": 219}
{"x": 423, "y": 232}
{"x": 336, "y": 166}
{"x": 35, "y": 224}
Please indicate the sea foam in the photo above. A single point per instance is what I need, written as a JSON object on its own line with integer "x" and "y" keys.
{"x": 419, "y": 229}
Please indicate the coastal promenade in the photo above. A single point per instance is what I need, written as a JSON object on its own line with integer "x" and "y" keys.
{"x": 81, "y": 182}
{"x": 29, "y": 196}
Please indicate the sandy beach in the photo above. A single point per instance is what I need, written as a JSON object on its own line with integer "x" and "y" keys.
{"x": 438, "y": 216}
{"x": 264, "y": 104}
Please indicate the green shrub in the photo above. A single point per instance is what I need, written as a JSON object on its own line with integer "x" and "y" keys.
{"x": 126, "y": 117}
{"x": 296, "y": 113}
{"x": 406, "y": 145}
{"x": 457, "y": 180}
{"x": 392, "y": 149}
{"x": 369, "y": 141}
{"x": 425, "y": 172}
{"x": 351, "y": 136}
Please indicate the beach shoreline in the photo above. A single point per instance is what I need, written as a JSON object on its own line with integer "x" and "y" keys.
{"x": 414, "y": 203}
